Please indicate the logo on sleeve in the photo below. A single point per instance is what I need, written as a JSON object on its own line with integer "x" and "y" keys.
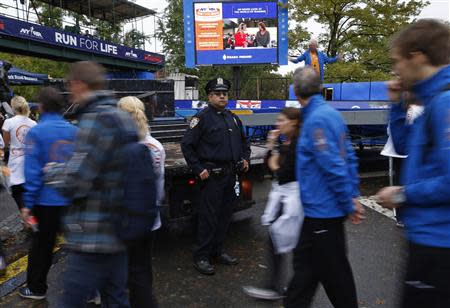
{"x": 194, "y": 122}
{"x": 320, "y": 141}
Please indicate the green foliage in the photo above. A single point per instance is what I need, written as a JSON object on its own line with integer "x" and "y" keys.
{"x": 171, "y": 34}
{"x": 135, "y": 39}
{"x": 107, "y": 31}
{"x": 35, "y": 65}
{"x": 255, "y": 81}
{"x": 50, "y": 16}
{"x": 353, "y": 71}
{"x": 358, "y": 29}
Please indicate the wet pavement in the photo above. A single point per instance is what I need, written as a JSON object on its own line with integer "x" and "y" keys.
{"x": 375, "y": 251}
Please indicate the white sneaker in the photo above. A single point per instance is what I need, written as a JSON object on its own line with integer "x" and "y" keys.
{"x": 400, "y": 224}
{"x": 261, "y": 293}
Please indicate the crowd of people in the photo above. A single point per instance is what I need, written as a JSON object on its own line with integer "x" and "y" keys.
{"x": 101, "y": 180}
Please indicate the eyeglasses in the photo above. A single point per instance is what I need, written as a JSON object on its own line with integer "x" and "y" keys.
{"x": 219, "y": 93}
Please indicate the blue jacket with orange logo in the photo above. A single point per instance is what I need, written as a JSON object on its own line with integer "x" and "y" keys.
{"x": 51, "y": 140}
{"x": 323, "y": 59}
{"x": 327, "y": 167}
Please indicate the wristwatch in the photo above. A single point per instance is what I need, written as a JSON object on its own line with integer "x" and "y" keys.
{"x": 399, "y": 197}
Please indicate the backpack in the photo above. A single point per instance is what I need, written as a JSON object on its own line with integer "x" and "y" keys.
{"x": 139, "y": 200}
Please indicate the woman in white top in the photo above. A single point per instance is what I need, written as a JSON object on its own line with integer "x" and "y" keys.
{"x": 140, "y": 254}
{"x": 15, "y": 131}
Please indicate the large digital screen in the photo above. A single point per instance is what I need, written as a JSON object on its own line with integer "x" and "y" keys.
{"x": 235, "y": 32}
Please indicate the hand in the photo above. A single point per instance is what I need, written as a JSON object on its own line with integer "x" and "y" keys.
{"x": 385, "y": 196}
{"x": 204, "y": 175}
{"x": 358, "y": 215}
{"x": 395, "y": 90}
{"x": 272, "y": 137}
{"x": 246, "y": 166}
{"x": 48, "y": 166}
{"x": 5, "y": 171}
{"x": 25, "y": 213}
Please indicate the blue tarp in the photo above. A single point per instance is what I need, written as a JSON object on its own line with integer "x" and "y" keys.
{"x": 354, "y": 91}
{"x": 17, "y": 76}
{"x": 141, "y": 75}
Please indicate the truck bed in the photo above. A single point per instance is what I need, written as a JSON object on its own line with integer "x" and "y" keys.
{"x": 176, "y": 164}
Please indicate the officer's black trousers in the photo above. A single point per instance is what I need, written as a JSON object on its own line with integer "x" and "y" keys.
{"x": 321, "y": 257}
{"x": 214, "y": 214}
{"x": 427, "y": 279}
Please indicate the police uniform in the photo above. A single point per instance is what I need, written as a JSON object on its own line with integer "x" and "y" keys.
{"x": 215, "y": 141}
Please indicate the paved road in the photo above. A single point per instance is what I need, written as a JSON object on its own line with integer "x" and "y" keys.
{"x": 375, "y": 249}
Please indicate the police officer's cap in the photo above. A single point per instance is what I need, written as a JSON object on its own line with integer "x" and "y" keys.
{"x": 217, "y": 84}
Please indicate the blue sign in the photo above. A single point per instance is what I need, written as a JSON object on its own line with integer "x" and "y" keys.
{"x": 237, "y": 56}
{"x": 266, "y": 106}
{"x": 211, "y": 32}
{"x": 250, "y": 10}
{"x": 18, "y": 76}
{"x": 29, "y": 31}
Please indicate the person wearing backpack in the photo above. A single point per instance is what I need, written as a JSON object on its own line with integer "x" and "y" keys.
{"x": 420, "y": 55}
{"x": 140, "y": 277}
{"x": 94, "y": 180}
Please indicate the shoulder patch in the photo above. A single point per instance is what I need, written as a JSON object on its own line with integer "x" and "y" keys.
{"x": 194, "y": 122}
{"x": 320, "y": 141}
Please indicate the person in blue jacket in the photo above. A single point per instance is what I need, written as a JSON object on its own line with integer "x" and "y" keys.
{"x": 315, "y": 58}
{"x": 327, "y": 171}
{"x": 51, "y": 140}
{"x": 420, "y": 56}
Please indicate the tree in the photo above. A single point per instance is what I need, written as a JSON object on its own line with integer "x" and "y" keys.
{"x": 35, "y": 65}
{"x": 358, "y": 29}
{"x": 49, "y": 15}
{"x": 135, "y": 38}
{"x": 171, "y": 34}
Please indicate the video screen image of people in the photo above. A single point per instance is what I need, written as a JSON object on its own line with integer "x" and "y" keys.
{"x": 250, "y": 33}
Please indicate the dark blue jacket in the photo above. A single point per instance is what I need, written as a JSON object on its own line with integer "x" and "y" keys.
{"x": 426, "y": 172}
{"x": 214, "y": 136}
{"x": 323, "y": 59}
{"x": 51, "y": 140}
{"x": 327, "y": 167}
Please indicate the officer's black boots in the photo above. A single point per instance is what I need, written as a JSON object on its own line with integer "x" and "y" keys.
{"x": 226, "y": 259}
{"x": 204, "y": 267}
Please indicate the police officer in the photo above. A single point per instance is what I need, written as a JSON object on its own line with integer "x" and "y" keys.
{"x": 216, "y": 149}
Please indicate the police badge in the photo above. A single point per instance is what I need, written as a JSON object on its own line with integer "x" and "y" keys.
{"x": 194, "y": 122}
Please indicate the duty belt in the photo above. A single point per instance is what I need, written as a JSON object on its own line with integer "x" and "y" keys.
{"x": 220, "y": 168}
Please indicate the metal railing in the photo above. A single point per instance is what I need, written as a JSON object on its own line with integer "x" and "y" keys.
{"x": 68, "y": 24}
